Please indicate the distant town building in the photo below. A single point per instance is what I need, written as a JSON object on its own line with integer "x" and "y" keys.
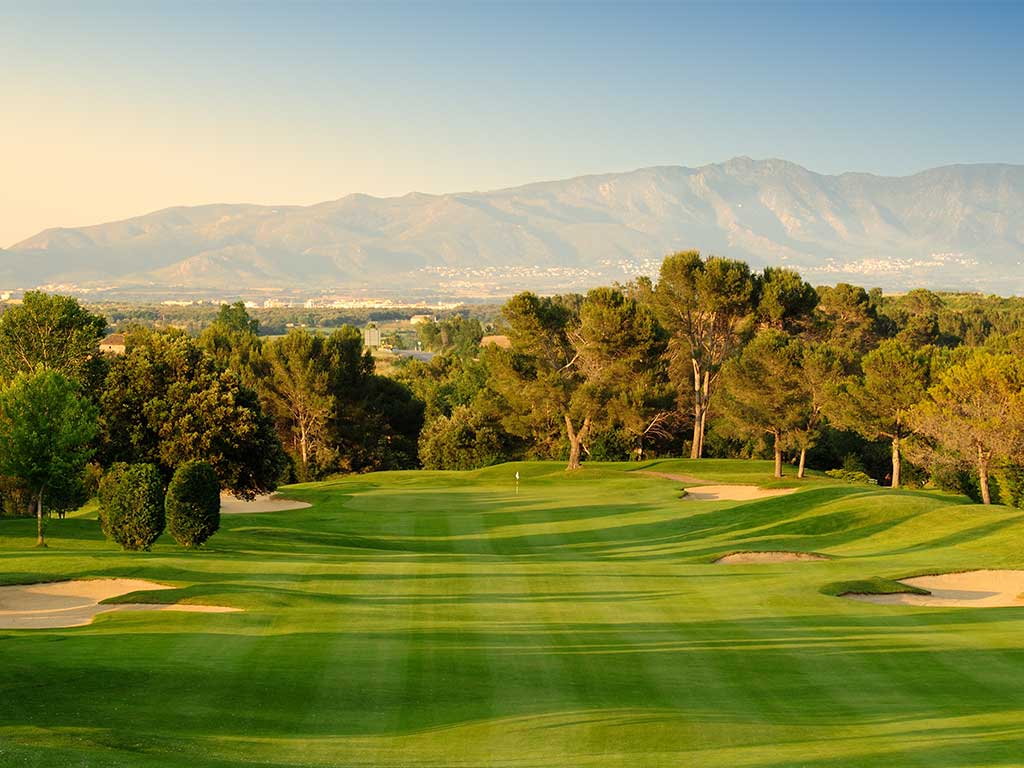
{"x": 113, "y": 344}
{"x": 5, "y": 296}
{"x": 498, "y": 341}
{"x": 420, "y": 319}
{"x": 371, "y": 337}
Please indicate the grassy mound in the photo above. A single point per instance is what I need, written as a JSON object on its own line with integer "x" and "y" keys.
{"x": 873, "y": 586}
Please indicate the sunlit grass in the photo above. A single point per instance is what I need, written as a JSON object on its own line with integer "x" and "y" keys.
{"x": 444, "y": 619}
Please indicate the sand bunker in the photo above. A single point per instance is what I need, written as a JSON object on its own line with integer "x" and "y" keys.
{"x": 971, "y": 589}
{"x": 75, "y": 603}
{"x": 768, "y": 557}
{"x": 733, "y": 492}
{"x": 269, "y": 502}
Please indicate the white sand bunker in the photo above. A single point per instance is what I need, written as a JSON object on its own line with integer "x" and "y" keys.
{"x": 733, "y": 492}
{"x": 971, "y": 589}
{"x": 269, "y": 502}
{"x": 738, "y": 558}
{"x": 75, "y": 603}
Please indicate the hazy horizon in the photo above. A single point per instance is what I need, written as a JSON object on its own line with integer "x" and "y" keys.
{"x": 115, "y": 110}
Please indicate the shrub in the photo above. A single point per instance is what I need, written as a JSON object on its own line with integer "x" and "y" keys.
{"x": 132, "y": 505}
{"x": 1010, "y": 482}
{"x": 464, "y": 440}
{"x": 611, "y": 445}
{"x": 193, "y": 504}
{"x": 851, "y": 476}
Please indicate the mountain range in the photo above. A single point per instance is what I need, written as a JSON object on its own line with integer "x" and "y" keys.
{"x": 958, "y": 226}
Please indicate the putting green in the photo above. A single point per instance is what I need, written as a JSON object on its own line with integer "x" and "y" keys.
{"x": 442, "y": 619}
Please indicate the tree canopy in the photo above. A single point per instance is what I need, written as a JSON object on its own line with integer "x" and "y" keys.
{"x": 46, "y": 430}
{"x": 166, "y": 402}
{"x": 54, "y": 332}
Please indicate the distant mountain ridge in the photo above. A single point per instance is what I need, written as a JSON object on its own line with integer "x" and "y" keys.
{"x": 955, "y": 226}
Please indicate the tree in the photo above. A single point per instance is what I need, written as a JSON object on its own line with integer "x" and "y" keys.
{"x": 573, "y": 361}
{"x": 877, "y": 403}
{"x": 132, "y": 505}
{"x": 537, "y": 376}
{"x": 975, "y": 413}
{"x": 820, "y": 378}
{"x": 297, "y": 393}
{"x": 785, "y": 300}
{"x": 192, "y": 505}
{"x": 456, "y": 334}
{"x": 847, "y": 318}
{"x": 46, "y": 428}
{"x": 706, "y": 306}
{"x": 166, "y": 402}
{"x": 917, "y": 316}
{"x": 763, "y": 392}
{"x": 620, "y": 349}
{"x": 54, "y": 332}
{"x": 232, "y": 340}
{"x": 375, "y": 421}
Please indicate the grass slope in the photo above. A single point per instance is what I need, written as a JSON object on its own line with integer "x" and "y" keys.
{"x": 439, "y": 619}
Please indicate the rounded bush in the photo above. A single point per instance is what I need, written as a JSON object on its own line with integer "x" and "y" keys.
{"x": 132, "y": 505}
{"x": 193, "y": 504}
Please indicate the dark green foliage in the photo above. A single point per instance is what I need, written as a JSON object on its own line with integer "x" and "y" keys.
{"x": 193, "y": 504}
{"x": 612, "y": 445}
{"x": 464, "y": 440}
{"x": 132, "y": 505}
{"x": 167, "y": 402}
{"x": 232, "y": 341}
{"x": 847, "y": 318}
{"x": 851, "y": 476}
{"x": 785, "y": 300}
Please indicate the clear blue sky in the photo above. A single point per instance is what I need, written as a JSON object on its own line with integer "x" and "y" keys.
{"x": 114, "y": 109}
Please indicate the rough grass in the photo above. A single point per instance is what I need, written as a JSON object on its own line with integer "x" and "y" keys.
{"x": 872, "y": 586}
{"x": 439, "y": 619}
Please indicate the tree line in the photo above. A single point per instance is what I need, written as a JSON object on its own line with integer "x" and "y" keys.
{"x": 714, "y": 359}
{"x": 710, "y": 358}
{"x": 254, "y": 412}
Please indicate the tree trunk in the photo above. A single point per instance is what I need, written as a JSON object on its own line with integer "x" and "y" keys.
{"x": 699, "y": 411}
{"x": 778, "y": 455}
{"x": 576, "y": 440}
{"x": 40, "y": 542}
{"x": 302, "y": 443}
{"x": 803, "y": 462}
{"x": 896, "y": 462}
{"x": 986, "y": 498}
{"x": 695, "y": 446}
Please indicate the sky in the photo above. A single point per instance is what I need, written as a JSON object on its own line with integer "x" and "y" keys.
{"x": 111, "y": 110}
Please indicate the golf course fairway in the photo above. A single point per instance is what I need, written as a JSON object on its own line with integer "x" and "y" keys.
{"x": 449, "y": 619}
